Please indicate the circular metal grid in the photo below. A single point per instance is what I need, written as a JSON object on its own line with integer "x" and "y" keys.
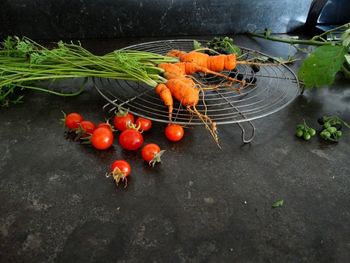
{"x": 272, "y": 87}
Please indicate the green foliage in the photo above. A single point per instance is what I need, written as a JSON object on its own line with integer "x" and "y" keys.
{"x": 196, "y": 44}
{"x": 7, "y": 96}
{"x": 321, "y": 67}
{"x": 38, "y": 58}
{"x": 9, "y": 44}
{"x": 224, "y": 45}
{"x": 346, "y": 38}
{"x": 24, "y": 63}
{"x": 16, "y": 47}
{"x": 278, "y": 203}
{"x": 24, "y": 48}
{"x": 347, "y": 58}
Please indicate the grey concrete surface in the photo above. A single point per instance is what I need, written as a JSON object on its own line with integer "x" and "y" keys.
{"x": 201, "y": 204}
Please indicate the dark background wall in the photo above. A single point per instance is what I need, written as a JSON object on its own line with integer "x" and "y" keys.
{"x": 79, "y": 19}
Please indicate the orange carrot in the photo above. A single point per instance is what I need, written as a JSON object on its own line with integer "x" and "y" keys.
{"x": 180, "y": 69}
{"x": 172, "y": 70}
{"x": 213, "y": 63}
{"x": 165, "y": 95}
{"x": 184, "y": 90}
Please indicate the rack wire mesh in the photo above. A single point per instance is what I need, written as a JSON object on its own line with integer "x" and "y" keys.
{"x": 271, "y": 87}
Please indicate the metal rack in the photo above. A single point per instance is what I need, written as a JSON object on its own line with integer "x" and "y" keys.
{"x": 271, "y": 88}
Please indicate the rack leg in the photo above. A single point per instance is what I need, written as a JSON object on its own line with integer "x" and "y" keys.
{"x": 246, "y": 139}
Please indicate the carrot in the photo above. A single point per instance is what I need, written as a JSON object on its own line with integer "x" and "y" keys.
{"x": 214, "y": 63}
{"x": 172, "y": 70}
{"x": 165, "y": 95}
{"x": 180, "y": 69}
{"x": 185, "y": 91}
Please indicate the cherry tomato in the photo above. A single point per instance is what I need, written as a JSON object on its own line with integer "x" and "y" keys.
{"x": 174, "y": 132}
{"x": 120, "y": 171}
{"x": 131, "y": 139}
{"x": 87, "y": 127}
{"x": 123, "y": 166}
{"x": 151, "y": 153}
{"x": 102, "y": 138}
{"x": 72, "y": 120}
{"x": 105, "y": 125}
{"x": 145, "y": 124}
{"x": 123, "y": 120}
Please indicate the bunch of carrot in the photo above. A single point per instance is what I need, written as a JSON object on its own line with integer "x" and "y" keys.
{"x": 23, "y": 62}
{"x": 181, "y": 85}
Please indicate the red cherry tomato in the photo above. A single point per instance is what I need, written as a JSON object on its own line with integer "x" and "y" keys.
{"x": 145, "y": 124}
{"x": 174, "y": 132}
{"x": 120, "y": 171}
{"x": 123, "y": 167}
{"x": 102, "y": 138}
{"x": 151, "y": 153}
{"x": 131, "y": 139}
{"x": 122, "y": 121}
{"x": 72, "y": 120}
{"x": 105, "y": 125}
{"x": 87, "y": 127}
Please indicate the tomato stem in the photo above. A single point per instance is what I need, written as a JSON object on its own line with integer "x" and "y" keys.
{"x": 118, "y": 176}
{"x": 156, "y": 158}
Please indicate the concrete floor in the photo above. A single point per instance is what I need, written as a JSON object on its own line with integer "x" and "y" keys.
{"x": 201, "y": 204}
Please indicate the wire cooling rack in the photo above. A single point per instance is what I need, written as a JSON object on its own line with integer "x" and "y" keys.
{"x": 270, "y": 87}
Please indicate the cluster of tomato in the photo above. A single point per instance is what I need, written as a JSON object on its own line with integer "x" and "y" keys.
{"x": 101, "y": 137}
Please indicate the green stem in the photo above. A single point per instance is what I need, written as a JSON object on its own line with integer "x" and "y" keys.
{"x": 53, "y": 92}
{"x": 347, "y": 25}
{"x": 6, "y": 94}
{"x": 73, "y": 61}
{"x": 294, "y": 41}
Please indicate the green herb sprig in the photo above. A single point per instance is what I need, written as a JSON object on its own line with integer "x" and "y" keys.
{"x": 218, "y": 45}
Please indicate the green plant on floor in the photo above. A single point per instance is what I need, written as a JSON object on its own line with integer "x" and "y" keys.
{"x": 304, "y": 131}
{"x": 331, "y": 129}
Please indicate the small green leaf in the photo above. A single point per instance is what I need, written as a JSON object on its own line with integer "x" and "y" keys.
{"x": 346, "y": 38}
{"x": 9, "y": 44}
{"x": 278, "y": 203}
{"x": 196, "y": 44}
{"x": 347, "y": 58}
{"x": 322, "y": 65}
{"x": 37, "y": 58}
{"x": 233, "y": 49}
{"x": 224, "y": 44}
